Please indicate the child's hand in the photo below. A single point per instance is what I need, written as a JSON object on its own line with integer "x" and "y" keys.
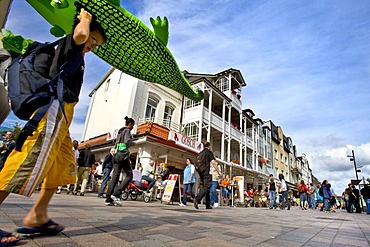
{"x": 84, "y": 15}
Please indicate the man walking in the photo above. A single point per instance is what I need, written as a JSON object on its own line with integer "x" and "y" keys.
{"x": 203, "y": 165}
{"x": 107, "y": 169}
{"x": 85, "y": 162}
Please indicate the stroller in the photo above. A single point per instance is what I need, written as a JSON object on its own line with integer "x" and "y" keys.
{"x": 136, "y": 187}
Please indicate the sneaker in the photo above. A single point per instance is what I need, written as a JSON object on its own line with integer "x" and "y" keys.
{"x": 68, "y": 191}
{"x": 74, "y": 193}
{"x": 58, "y": 192}
{"x": 82, "y": 194}
{"x": 109, "y": 204}
{"x": 196, "y": 204}
{"x": 117, "y": 200}
{"x": 215, "y": 205}
{"x": 182, "y": 205}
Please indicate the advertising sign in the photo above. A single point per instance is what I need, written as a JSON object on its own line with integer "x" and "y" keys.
{"x": 170, "y": 186}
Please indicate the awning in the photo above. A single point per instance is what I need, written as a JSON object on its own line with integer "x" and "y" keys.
{"x": 262, "y": 160}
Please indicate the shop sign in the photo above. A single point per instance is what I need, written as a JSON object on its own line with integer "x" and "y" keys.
{"x": 112, "y": 134}
{"x": 185, "y": 141}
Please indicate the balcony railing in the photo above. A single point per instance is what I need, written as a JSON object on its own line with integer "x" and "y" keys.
{"x": 165, "y": 122}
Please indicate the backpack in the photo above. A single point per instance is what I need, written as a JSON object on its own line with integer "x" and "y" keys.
{"x": 30, "y": 87}
{"x": 321, "y": 192}
{"x": 201, "y": 162}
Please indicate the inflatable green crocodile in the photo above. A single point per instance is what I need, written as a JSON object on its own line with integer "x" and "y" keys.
{"x": 131, "y": 46}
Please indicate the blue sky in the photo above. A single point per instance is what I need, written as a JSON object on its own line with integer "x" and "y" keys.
{"x": 306, "y": 64}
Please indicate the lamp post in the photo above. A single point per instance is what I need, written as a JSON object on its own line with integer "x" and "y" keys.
{"x": 353, "y": 158}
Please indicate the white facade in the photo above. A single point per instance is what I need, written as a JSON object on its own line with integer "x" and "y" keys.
{"x": 119, "y": 95}
{"x": 218, "y": 118}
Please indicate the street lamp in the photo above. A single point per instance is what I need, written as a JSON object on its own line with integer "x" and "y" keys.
{"x": 353, "y": 158}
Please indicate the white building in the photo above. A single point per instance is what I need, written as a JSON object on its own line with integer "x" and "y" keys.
{"x": 171, "y": 127}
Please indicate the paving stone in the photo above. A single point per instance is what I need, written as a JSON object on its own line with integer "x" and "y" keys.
{"x": 90, "y": 223}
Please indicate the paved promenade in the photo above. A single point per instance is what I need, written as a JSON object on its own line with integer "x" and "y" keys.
{"x": 90, "y": 223}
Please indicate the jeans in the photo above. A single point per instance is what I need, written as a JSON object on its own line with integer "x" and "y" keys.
{"x": 150, "y": 180}
{"x": 187, "y": 188}
{"x": 226, "y": 193}
{"x": 326, "y": 204}
{"x": 272, "y": 195}
{"x": 303, "y": 199}
{"x": 367, "y": 206}
{"x": 206, "y": 180}
{"x": 213, "y": 192}
{"x": 349, "y": 206}
{"x": 284, "y": 198}
{"x": 124, "y": 166}
{"x": 313, "y": 202}
{"x": 105, "y": 179}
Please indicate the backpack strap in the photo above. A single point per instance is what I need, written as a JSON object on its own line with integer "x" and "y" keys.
{"x": 67, "y": 68}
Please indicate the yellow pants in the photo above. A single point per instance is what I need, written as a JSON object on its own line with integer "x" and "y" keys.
{"x": 46, "y": 156}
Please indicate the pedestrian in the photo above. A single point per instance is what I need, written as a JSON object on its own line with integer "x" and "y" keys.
{"x": 7, "y": 146}
{"x": 320, "y": 199}
{"x": 107, "y": 169}
{"x": 188, "y": 182}
{"x": 302, "y": 190}
{"x": 271, "y": 185}
{"x": 312, "y": 196}
{"x": 205, "y": 158}
{"x": 356, "y": 200}
{"x": 148, "y": 170}
{"x": 121, "y": 163}
{"x": 46, "y": 154}
{"x": 214, "y": 184}
{"x": 326, "y": 195}
{"x": 351, "y": 198}
{"x": 365, "y": 192}
{"x": 85, "y": 163}
{"x": 283, "y": 190}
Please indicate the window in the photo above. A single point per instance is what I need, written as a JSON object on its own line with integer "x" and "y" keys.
{"x": 276, "y": 154}
{"x": 151, "y": 107}
{"x": 168, "y": 112}
{"x": 191, "y": 130}
{"x": 190, "y": 103}
{"x": 223, "y": 84}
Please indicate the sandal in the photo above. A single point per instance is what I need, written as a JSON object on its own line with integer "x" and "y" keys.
{"x": 47, "y": 229}
{"x": 8, "y": 239}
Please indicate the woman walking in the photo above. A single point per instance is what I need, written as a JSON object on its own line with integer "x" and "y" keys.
{"x": 121, "y": 162}
{"x": 302, "y": 189}
{"x": 189, "y": 180}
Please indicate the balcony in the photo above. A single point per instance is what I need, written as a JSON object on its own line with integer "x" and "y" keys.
{"x": 164, "y": 122}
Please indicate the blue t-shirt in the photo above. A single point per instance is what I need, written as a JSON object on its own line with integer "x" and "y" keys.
{"x": 189, "y": 169}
